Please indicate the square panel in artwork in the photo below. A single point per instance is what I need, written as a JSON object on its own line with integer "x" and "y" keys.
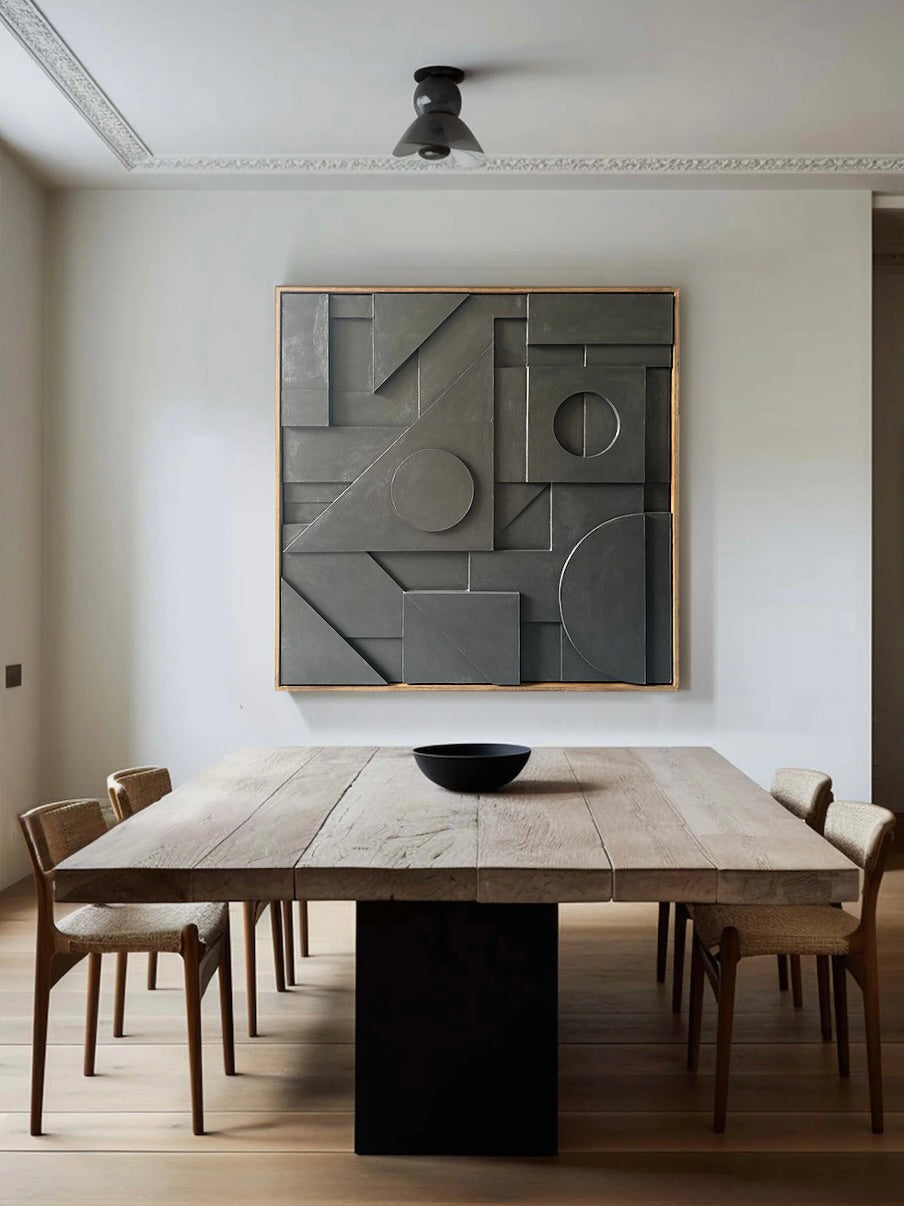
{"x": 476, "y": 488}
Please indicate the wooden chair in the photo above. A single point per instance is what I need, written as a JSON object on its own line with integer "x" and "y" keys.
{"x": 137, "y": 788}
{"x": 806, "y": 794}
{"x": 197, "y": 932}
{"x": 725, "y": 934}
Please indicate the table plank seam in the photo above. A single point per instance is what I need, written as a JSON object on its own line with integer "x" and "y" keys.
{"x": 351, "y": 783}
{"x": 313, "y": 751}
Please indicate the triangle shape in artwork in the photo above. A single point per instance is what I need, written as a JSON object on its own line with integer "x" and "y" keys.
{"x": 483, "y": 626}
{"x": 429, "y": 655}
{"x": 311, "y": 651}
{"x": 401, "y": 323}
{"x": 512, "y": 499}
{"x": 363, "y": 518}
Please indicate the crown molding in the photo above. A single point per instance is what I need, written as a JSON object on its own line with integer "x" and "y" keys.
{"x": 539, "y": 165}
{"x": 52, "y": 54}
{"x": 31, "y": 28}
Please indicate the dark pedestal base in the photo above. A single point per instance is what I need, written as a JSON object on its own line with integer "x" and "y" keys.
{"x": 456, "y": 1029}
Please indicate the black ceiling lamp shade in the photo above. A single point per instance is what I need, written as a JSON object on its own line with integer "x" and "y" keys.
{"x": 438, "y": 132}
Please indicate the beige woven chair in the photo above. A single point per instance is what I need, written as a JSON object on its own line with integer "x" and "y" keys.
{"x": 197, "y": 932}
{"x": 806, "y": 794}
{"x": 725, "y": 934}
{"x": 137, "y": 788}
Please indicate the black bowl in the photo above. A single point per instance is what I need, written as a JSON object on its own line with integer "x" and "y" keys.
{"x": 475, "y": 767}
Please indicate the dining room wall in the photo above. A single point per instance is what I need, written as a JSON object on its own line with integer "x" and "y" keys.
{"x": 159, "y": 464}
{"x": 22, "y": 203}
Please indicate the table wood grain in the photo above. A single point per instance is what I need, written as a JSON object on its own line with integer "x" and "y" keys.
{"x": 644, "y": 823}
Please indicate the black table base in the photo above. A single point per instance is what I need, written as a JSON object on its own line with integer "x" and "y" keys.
{"x": 456, "y": 1029}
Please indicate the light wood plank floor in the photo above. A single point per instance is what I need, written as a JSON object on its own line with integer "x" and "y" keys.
{"x": 634, "y": 1126}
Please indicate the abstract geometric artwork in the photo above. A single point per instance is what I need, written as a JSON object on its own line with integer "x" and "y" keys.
{"x": 477, "y": 488}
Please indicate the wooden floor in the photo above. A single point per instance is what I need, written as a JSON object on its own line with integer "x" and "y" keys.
{"x": 635, "y": 1128}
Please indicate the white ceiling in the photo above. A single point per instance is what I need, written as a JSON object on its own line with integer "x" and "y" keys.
{"x": 280, "y": 81}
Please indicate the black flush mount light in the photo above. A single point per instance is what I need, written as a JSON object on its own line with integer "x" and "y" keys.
{"x": 438, "y": 132}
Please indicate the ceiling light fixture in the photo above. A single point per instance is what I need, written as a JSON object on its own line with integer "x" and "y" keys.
{"x": 438, "y": 132}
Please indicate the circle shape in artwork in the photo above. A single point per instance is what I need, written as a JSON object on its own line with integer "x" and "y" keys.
{"x": 586, "y": 424}
{"x": 601, "y": 593}
{"x": 432, "y": 490}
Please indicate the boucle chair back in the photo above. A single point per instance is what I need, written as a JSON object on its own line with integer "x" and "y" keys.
{"x": 805, "y": 793}
{"x": 863, "y": 832}
{"x": 136, "y": 788}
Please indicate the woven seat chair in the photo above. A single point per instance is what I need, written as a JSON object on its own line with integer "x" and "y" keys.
{"x": 806, "y": 794}
{"x": 138, "y": 787}
{"x": 725, "y": 934}
{"x": 197, "y": 932}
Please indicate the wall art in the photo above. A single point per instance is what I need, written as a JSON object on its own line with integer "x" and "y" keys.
{"x": 477, "y": 488}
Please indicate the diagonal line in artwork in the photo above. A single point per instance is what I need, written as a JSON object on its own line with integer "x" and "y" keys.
{"x": 530, "y": 502}
{"x": 445, "y": 635}
{"x": 439, "y": 397}
{"x": 329, "y": 623}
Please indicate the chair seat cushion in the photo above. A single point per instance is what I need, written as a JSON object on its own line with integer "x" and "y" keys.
{"x": 778, "y": 929}
{"x": 140, "y": 927}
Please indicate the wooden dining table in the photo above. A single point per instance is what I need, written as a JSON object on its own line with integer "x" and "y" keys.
{"x": 457, "y": 900}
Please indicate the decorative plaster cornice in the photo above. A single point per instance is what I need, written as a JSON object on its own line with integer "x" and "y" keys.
{"x": 29, "y": 25}
{"x": 509, "y": 165}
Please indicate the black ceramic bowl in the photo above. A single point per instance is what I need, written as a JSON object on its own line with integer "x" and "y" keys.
{"x": 475, "y": 767}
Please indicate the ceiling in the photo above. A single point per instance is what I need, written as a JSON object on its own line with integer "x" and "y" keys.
{"x": 599, "y": 91}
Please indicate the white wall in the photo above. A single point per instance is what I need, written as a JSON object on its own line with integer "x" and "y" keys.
{"x": 21, "y": 385}
{"x": 160, "y": 464}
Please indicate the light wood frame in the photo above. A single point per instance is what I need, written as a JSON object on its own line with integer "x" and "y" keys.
{"x": 674, "y": 495}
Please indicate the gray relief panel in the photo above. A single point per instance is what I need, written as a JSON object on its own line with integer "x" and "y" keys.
{"x": 478, "y": 632}
{"x": 602, "y": 599}
{"x": 476, "y": 488}
{"x": 611, "y": 395}
{"x": 624, "y": 318}
{"x": 305, "y": 359}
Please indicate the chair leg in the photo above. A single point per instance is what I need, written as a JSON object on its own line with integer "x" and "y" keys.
{"x": 729, "y": 955}
{"x": 91, "y": 1012}
{"x": 797, "y": 992}
{"x": 839, "y": 981}
{"x": 825, "y": 1005}
{"x": 695, "y": 1008}
{"x": 119, "y": 998}
{"x": 662, "y": 940}
{"x": 152, "y": 970}
{"x": 873, "y": 1043}
{"x": 250, "y": 965}
{"x": 277, "y": 932}
{"x": 288, "y": 922}
{"x": 303, "y": 947}
{"x": 191, "y": 959}
{"x": 681, "y": 918}
{"x": 39, "y": 1041}
{"x": 782, "y": 961}
{"x": 226, "y": 1016}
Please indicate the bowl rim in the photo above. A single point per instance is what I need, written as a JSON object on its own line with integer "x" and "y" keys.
{"x": 465, "y": 750}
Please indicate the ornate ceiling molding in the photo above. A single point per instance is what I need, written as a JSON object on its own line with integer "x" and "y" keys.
{"x": 549, "y": 165}
{"x": 36, "y": 34}
{"x": 29, "y": 25}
